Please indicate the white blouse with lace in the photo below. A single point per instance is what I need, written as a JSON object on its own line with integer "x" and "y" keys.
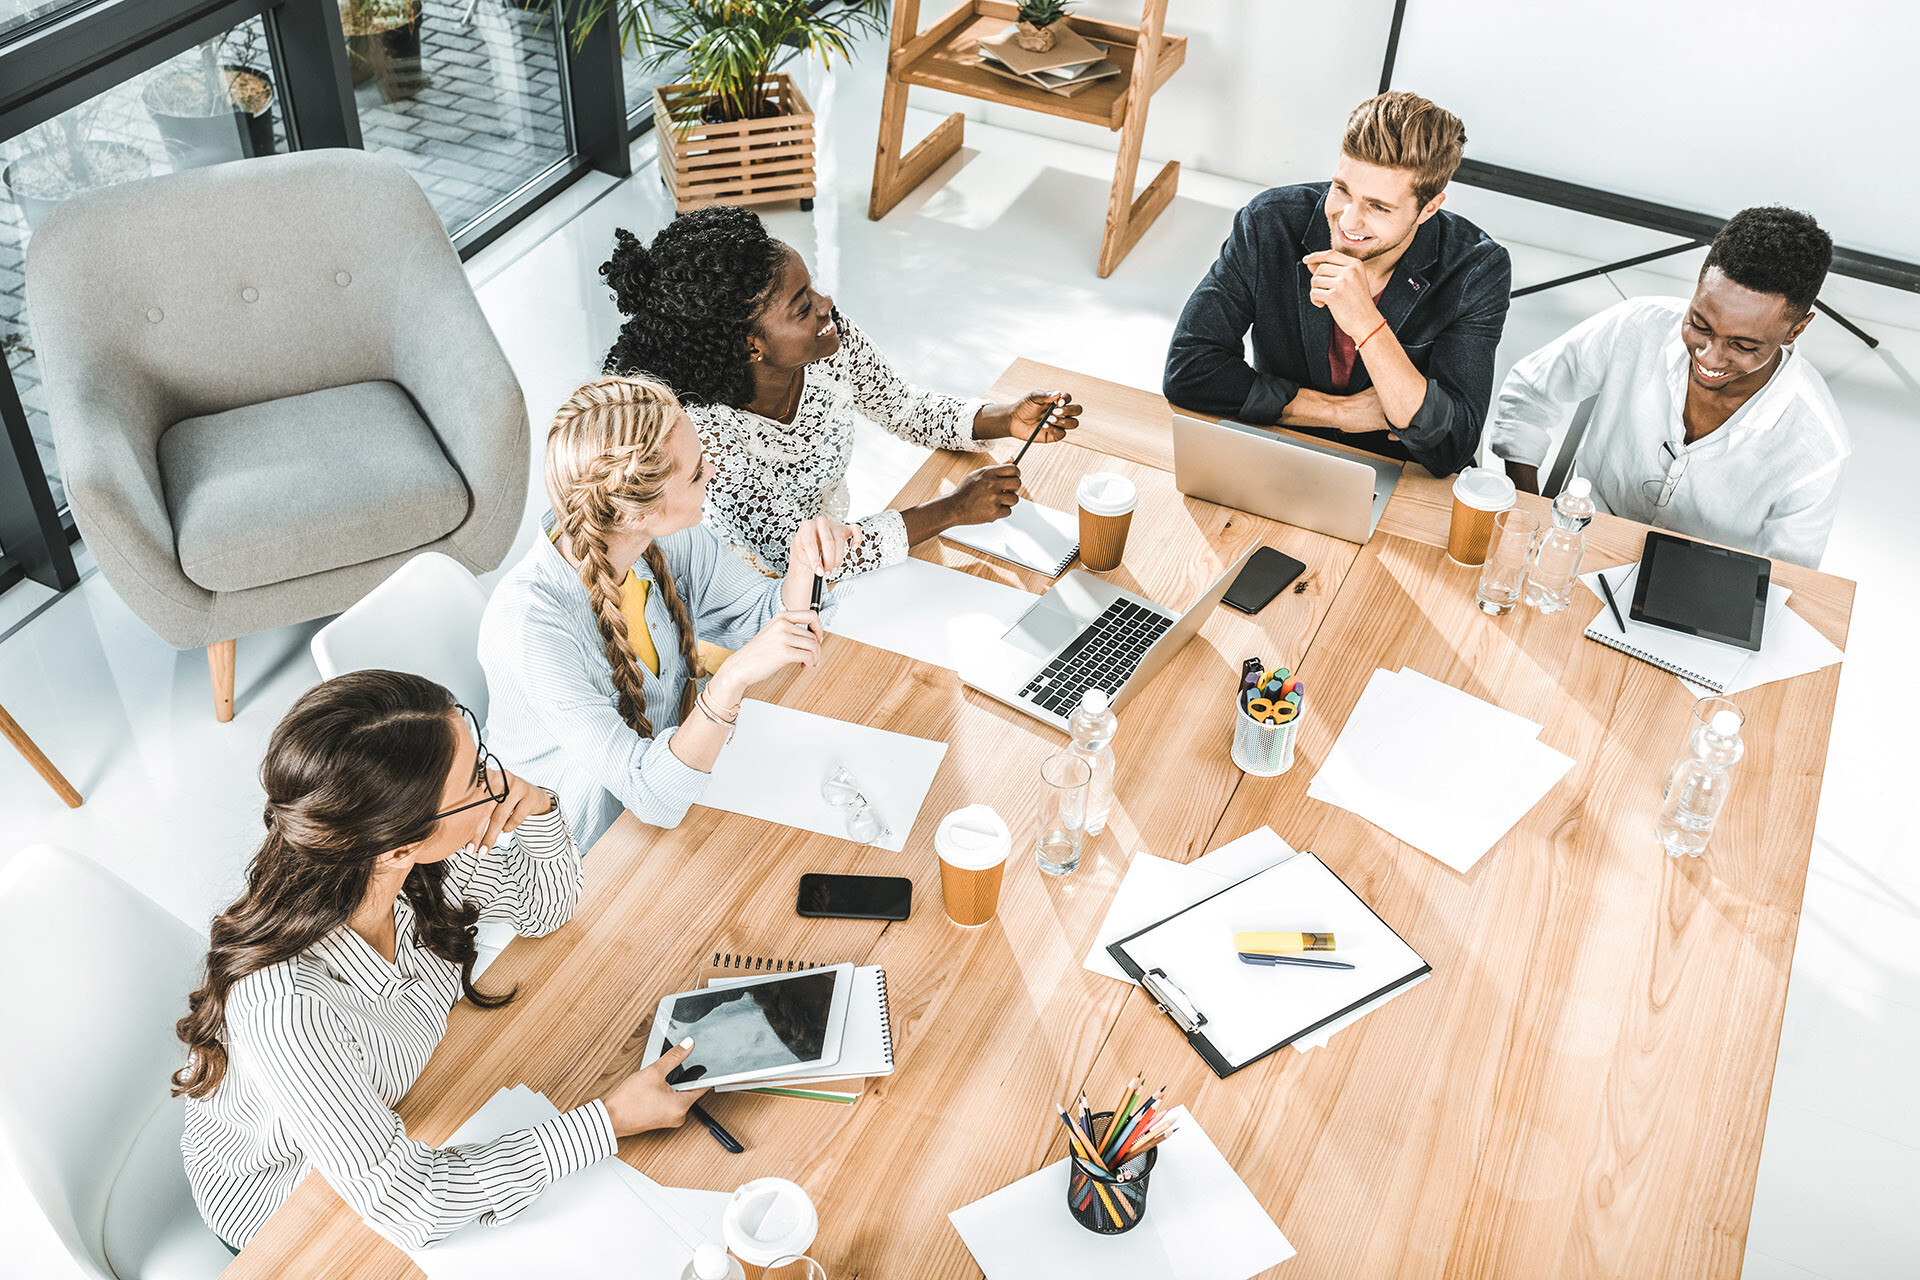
{"x": 770, "y": 476}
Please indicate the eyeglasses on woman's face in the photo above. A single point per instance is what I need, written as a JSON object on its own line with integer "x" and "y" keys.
{"x": 488, "y": 773}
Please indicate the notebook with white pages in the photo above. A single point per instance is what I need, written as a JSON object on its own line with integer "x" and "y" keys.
{"x": 866, "y": 1046}
{"x": 1032, "y": 536}
{"x": 1708, "y": 663}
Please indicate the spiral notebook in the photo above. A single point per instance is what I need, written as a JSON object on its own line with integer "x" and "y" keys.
{"x": 1707, "y": 663}
{"x": 1032, "y": 536}
{"x": 866, "y": 1048}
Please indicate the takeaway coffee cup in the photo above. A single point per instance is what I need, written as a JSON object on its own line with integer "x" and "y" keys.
{"x": 1106, "y": 510}
{"x": 973, "y": 844}
{"x": 1479, "y": 494}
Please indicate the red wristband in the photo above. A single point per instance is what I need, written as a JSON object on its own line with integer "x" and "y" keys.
{"x": 1363, "y": 342}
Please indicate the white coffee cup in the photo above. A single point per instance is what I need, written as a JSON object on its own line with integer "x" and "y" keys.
{"x": 1479, "y": 494}
{"x": 1106, "y": 503}
{"x": 973, "y": 844}
{"x": 769, "y": 1220}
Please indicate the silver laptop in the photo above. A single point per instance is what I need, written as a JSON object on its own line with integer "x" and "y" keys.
{"x": 1083, "y": 634}
{"x": 1310, "y": 486}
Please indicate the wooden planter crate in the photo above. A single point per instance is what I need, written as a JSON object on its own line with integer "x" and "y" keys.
{"x": 742, "y": 162}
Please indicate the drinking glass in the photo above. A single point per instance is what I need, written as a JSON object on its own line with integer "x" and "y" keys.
{"x": 1505, "y": 570}
{"x": 1062, "y": 827}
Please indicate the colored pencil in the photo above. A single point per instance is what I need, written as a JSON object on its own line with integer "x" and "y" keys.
{"x": 1126, "y": 1101}
{"x": 1084, "y": 1145}
{"x": 1160, "y": 1127}
{"x": 1134, "y": 1125}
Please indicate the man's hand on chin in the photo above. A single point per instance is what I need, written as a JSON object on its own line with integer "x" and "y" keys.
{"x": 1340, "y": 285}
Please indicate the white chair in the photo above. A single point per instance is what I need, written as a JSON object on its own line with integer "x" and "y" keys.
{"x": 97, "y": 975}
{"x": 425, "y": 619}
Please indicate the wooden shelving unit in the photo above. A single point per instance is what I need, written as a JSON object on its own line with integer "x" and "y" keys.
{"x": 946, "y": 56}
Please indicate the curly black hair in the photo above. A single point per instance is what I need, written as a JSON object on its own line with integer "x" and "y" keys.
{"x": 691, "y": 299}
{"x": 1773, "y": 249}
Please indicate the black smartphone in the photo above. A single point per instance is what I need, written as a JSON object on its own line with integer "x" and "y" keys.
{"x": 1266, "y": 575}
{"x": 855, "y": 897}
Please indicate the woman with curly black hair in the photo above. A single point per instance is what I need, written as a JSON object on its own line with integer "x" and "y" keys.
{"x": 772, "y": 375}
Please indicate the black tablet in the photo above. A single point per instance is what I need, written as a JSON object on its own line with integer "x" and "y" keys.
{"x": 1702, "y": 590}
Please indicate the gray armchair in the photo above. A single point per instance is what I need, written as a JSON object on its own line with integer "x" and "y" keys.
{"x": 270, "y": 386}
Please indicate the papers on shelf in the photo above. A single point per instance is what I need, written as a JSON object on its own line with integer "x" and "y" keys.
{"x": 1435, "y": 767}
{"x": 605, "y": 1219}
{"x": 926, "y": 611}
{"x": 1155, "y": 888}
{"x": 1789, "y": 645}
{"x": 1202, "y": 1223}
{"x": 778, "y": 758}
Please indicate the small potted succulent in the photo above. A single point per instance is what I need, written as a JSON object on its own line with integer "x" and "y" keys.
{"x": 208, "y": 110}
{"x": 383, "y": 45}
{"x": 1037, "y": 20}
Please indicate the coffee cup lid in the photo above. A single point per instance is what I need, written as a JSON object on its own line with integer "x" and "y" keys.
{"x": 973, "y": 838}
{"x": 1484, "y": 489}
{"x": 769, "y": 1220}
{"x": 1106, "y": 494}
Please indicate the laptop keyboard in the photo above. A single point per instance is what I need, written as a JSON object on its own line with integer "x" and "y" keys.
{"x": 1101, "y": 657}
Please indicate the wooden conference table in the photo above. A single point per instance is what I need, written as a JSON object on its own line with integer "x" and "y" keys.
{"x": 1580, "y": 1088}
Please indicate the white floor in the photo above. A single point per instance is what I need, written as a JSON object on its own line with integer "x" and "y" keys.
{"x": 993, "y": 259}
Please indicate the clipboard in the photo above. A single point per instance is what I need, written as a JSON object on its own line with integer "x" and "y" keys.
{"x": 1187, "y": 964}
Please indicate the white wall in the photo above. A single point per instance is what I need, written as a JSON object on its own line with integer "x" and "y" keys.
{"x": 1263, "y": 96}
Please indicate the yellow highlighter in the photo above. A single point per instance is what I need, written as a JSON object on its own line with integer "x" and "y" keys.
{"x": 1273, "y": 944}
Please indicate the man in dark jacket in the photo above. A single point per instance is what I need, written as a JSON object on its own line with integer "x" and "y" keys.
{"x": 1374, "y": 314}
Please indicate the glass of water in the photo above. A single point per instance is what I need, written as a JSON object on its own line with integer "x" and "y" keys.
{"x": 1505, "y": 570}
{"x": 1062, "y": 827}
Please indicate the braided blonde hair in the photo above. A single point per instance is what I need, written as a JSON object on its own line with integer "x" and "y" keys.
{"x": 607, "y": 467}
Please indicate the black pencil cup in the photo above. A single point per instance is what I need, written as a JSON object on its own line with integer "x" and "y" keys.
{"x": 1108, "y": 1203}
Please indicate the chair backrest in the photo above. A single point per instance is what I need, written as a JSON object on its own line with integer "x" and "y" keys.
{"x": 238, "y": 283}
{"x": 425, "y": 619}
{"x": 97, "y": 974}
{"x": 1569, "y": 450}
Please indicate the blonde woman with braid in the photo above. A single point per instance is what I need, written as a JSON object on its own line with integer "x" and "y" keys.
{"x": 590, "y": 643}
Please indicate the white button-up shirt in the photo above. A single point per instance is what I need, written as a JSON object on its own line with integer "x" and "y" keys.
{"x": 1768, "y": 480}
{"x": 320, "y": 1048}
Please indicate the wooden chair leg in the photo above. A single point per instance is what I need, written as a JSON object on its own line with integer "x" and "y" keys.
{"x": 11, "y": 729}
{"x": 220, "y": 666}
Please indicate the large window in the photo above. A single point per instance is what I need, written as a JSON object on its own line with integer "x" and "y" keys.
{"x": 213, "y": 103}
{"x": 467, "y": 94}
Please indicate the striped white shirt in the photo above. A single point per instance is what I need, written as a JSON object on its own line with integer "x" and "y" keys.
{"x": 321, "y": 1047}
{"x": 553, "y": 714}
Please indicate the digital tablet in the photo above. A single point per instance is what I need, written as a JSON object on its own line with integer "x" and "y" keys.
{"x": 776, "y": 1025}
{"x": 1702, "y": 590}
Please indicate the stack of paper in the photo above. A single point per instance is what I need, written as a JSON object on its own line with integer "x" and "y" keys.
{"x": 1155, "y": 888}
{"x": 1071, "y": 65}
{"x": 606, "y": 1219}
{"x": 1044, "y": 539}
{"x": 778, "y": 758}
{"x": 1437, "y": 768}
{"x": 1789, "y": 646}
{"x": 926, "y": 611}
{"x": 1201, "y": 1223}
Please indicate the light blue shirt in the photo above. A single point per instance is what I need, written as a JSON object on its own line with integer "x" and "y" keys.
{"x": 553, "y": 713}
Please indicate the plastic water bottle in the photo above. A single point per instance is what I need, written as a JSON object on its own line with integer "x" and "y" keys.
{"x": 711, "y": 1261}
{"x": 1093, "y": 727}
{"x": 1698, "y": 784}
{"x": 1556, "y": 564}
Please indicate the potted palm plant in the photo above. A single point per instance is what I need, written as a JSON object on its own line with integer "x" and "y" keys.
{"x": 383, "y": 45}
{"x": 735, "y": 131}
{"x": 209, "y": 110}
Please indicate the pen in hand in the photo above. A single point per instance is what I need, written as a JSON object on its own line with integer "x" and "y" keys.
{"x": 1046, "y": 420}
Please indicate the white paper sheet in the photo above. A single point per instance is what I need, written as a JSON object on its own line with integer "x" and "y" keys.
{"x": 1435, "y": 767}
{"x": 1790, "y": 648}
{"x": 1201, "y": 1223}
{"x": 1155, "y": 888}
{"x": 1041, "y": 538}
{"x": 606, "y": 1219}
{"x": 778, "y": 758}
{"x": 1723, "y": 663}
{"x": 927, "y": 611}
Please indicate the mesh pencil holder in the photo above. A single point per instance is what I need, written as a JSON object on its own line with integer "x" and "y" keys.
{"x": 1108, "y": 1204}
{"x": 1263, "y": 750}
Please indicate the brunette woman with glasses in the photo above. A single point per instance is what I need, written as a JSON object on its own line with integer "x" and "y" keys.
{"x": 391, "y": 832}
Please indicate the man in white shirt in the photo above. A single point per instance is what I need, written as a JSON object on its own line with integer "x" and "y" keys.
{"x": 1705, "y": 419}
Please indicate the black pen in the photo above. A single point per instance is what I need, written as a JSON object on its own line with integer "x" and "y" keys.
{"x": 1250, "y": 957}
{"x": 819, "y": 592}
{"x": 720, "y": 1135}
{"x": 1607, "y": 591}
{"x": 1045, "y": 418}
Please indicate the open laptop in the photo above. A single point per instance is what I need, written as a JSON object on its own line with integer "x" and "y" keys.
{"x": 1333, "y": 491}
{"x": 1086, "y": 634}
